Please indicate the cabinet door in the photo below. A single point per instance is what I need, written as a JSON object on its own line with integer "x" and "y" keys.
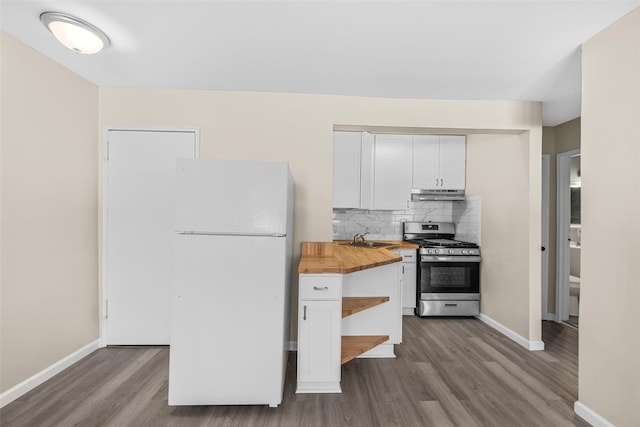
{"x": 408, "y": 287}
{"x": 346, "y": 169}
{"x": 426, "y": 161}
{"x": 366, "y": 171}
{"x": 392, "y": 171}
{"x": 452, "y": 162}
{"x": 319, "y": 341}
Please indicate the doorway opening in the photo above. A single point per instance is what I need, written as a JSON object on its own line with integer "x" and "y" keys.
{"x": 569, "y": 237}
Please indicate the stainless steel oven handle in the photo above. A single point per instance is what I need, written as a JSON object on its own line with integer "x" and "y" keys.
{"x": 427, "y": 258}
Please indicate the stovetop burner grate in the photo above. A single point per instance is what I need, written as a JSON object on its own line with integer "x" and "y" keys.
{"x": 447, "y": 243}
{"x": 442, "y": 243}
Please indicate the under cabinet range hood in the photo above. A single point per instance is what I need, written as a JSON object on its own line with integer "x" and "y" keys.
{"x": 420, "y": 194}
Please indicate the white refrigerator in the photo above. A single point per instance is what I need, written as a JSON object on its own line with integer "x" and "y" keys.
{"x": 232, "y": 281}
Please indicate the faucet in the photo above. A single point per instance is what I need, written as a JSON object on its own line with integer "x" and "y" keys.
{"x": 359, "y": 236}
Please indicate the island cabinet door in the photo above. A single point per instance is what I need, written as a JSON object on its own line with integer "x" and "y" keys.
{"x": 319, "y": 341}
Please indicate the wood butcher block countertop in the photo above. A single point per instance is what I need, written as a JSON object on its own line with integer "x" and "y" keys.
{"x": 332, "y": 257}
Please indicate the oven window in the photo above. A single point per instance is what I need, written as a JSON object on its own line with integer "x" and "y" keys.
{"x": 458, "y": 277}
{"x": 449, "y": 277}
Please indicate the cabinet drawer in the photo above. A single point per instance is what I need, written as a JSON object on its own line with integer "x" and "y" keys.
{"x": 320, "y": 287}
{"x": 408, "y": 255}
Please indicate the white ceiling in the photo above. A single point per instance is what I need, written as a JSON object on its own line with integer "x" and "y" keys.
{"x": 500, "y": 50}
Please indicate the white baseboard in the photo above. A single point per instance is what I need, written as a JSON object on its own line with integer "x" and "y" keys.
{"x": 529, "y": 345}
{"x": 30, "y": 383}
{"x": 293, "y": 345}
{"x": 590, "y": 416}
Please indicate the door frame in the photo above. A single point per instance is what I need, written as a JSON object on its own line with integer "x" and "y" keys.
{"x": 563, "y": 221}
{"x": 546, "y": 173}
{"x": 103, "y": 212}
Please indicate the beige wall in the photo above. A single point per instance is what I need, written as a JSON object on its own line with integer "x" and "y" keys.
{"x": 568, "y": 136}
{"x": 498, "y": 171}
{"x": 298, "y": 129}
{"x": 609, "y": 357}
{"x": 558, "y": 139}
{"x": 49, "y": 276}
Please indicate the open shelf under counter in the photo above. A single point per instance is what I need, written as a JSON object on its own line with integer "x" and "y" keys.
{"x": 353, "y": 305}
{"x": 354, "y": 346}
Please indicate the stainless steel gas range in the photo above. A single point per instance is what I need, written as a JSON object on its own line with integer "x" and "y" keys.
{"x": 448, "y": 276}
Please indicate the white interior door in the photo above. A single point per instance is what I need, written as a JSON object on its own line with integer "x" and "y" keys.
{"x": 139, "y": 216}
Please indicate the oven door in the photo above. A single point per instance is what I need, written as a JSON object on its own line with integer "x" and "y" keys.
{"x": 448, "y": 275}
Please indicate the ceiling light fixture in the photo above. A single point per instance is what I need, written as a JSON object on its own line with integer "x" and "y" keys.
{"x": 74, "y": 33}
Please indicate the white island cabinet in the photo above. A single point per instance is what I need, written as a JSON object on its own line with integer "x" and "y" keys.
{"x": 344, "y": 316}
{"x": 319, "y": 331}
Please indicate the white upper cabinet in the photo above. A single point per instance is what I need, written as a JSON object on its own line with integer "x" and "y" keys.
{"x": 452, "y": 161}
{"x": 439, "y": 162}
{"x": 392, "y": 172}
{"x": 426, "y": 161}
{"x": 346, "y": 169}
{"x": 352, "y": 170}
{"x": 378, "y": 171}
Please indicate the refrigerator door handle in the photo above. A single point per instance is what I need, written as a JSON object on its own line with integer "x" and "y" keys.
{"x": 304, "y": 314}
{"x": 208, "y": 233}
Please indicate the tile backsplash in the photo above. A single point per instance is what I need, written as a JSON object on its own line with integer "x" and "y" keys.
{"x": 387, "y": 225}
{"x": 466, "y": 217}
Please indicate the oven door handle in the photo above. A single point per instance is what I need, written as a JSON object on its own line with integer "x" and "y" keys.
{"x": 436, "y": 258}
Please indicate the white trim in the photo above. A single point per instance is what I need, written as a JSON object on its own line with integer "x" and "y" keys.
{"x": 318, "y": 387}
{"x": 549, "y": 316}
{"x": 590, "y": 416}
{"x": 30, "y": 383}
{"x": 563, "y": 219}
{"x": 293, "y": 345}
{"x": 519, "y": 339}
{"x": 102, "y": 303}
{"x": 544, "y": 300}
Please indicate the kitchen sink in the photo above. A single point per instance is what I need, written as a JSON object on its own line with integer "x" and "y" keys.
{"x": 368, "y": 244}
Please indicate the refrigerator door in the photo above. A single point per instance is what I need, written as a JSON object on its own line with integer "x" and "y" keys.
{"x": 230, "y": 326}
{"x": 233, "y": 197}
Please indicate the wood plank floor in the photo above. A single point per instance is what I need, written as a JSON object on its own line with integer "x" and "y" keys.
{"x": 448, "y": 372}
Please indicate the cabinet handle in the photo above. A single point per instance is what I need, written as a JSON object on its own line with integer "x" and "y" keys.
{"x": 436, "y": 182}
{"x": 441, "y": 182}
{"x": 403, "y": 269}
{"x": 451, "y": 305}
{"x": 304, "y": 314}
{"x": 317, "y": 288}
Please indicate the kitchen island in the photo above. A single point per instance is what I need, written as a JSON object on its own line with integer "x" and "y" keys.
{"x": 349, "y": 306}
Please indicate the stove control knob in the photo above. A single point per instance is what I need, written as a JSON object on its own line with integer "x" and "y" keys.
{"x": 451, "y": 251}
{"x": 464, "y": 252}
